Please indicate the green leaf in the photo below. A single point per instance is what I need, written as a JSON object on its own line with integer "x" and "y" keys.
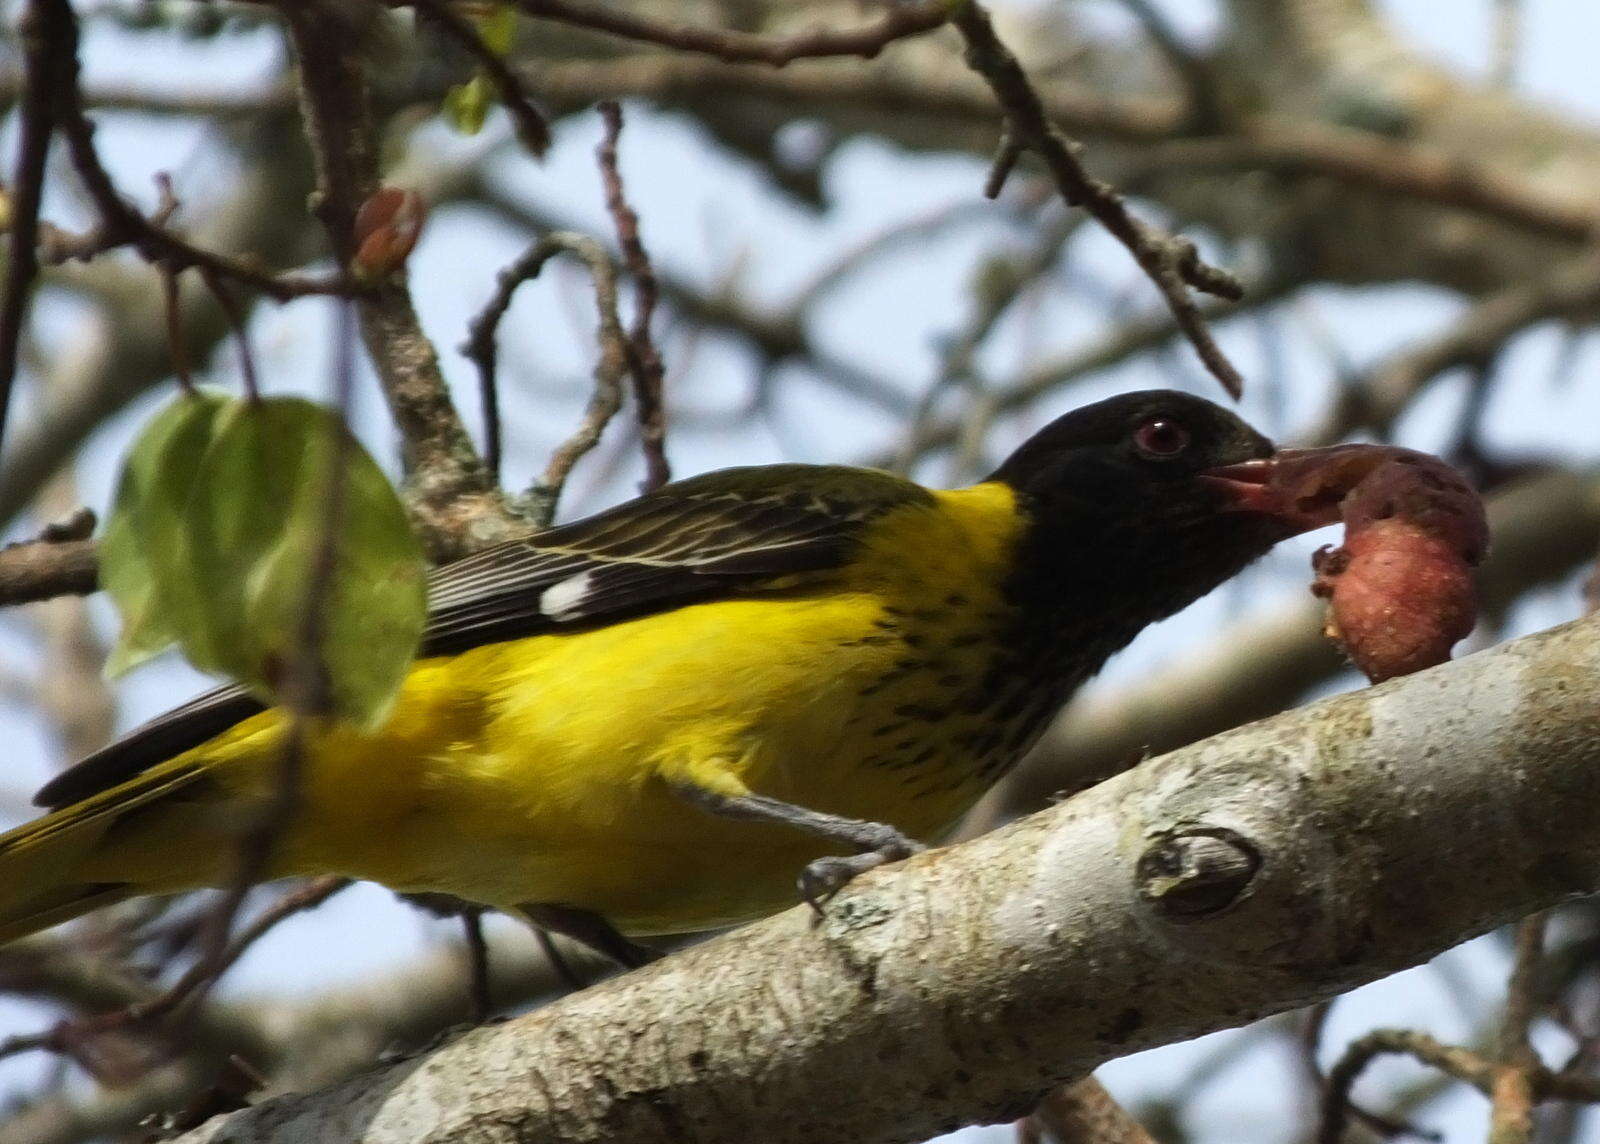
{"x": 256, "y": 524}
{"x": 143, "y": 533}
{"x": 466, "y": 105}
{"x": 214, "y": 540}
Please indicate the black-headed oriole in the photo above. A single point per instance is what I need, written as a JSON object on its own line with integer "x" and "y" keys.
{"x": 657, "y": 718}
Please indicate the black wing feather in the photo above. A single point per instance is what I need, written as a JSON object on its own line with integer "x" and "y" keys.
{"x": 702, "y": 539}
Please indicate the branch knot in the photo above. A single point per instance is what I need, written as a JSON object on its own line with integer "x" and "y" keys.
{"x": 1196, "y": 873}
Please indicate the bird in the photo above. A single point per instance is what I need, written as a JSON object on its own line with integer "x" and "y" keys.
{"x": 700, "y": 706}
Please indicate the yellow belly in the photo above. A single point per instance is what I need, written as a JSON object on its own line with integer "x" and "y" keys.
{"x": 539, "y": 770}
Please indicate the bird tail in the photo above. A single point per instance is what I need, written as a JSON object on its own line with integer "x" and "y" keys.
{"x": 53, "y": 868}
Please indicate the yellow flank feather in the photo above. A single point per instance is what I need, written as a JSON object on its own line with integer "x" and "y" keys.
{"x": 541, "y": 769}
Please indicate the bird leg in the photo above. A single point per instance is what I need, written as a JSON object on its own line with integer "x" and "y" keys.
{"x": 876, "y": 843}
{"x": 590, "y": 929}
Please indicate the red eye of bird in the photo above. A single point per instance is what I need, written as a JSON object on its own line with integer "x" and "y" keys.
{"x": 1161, "y": 439}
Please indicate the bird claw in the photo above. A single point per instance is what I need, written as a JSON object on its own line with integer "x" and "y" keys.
{"x": 822, "y": 879}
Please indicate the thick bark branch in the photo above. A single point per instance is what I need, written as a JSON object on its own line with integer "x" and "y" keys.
{"x": 1264, "y": 869}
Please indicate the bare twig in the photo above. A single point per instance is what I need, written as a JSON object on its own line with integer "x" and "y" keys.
{"x": 450, "y": 493}
{"x": 69, "y": 1036}
{"x": 40, "y": 569}
{"x": 306, "y": 694}
{"x": 480, "y": 347}
{"x": 1082, "y": 1113}
{"x": 997, "y": 284}
{"x": 1311, "y": 1044}
{"x": 777, "y": 336}
{"x": 644, "y": 361}
{"x": 1463, "y": 1064}
{"x": 174, "y": 317}
{"x": 48, "y": 34}
{"x": 1172, "y": 263}
{"x": 1133, "y": 336}
{"x": 122, "y": 225}
{"x": 908, "y": 18}
{"x": 477, "y": 965}
{"x": 530, "y": 126}
{"x": 241, "y": 334}
{"x": 205, "y": 972}
{"x": 1511, "y": 1088}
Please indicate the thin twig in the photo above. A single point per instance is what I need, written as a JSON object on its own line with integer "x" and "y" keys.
{"x": 449, "y": 492}
{"x": 478, "y": 990}
{"x": 1171, "y": 262}
{"x": 1135, "y": 335}
{"x": 39, "y": 569}
{"x": 532, "y": 130}
{"x": 908, "y": 18}
{"x": 67, "y": 1036}
{"x": 1081, "y": 1113}
{"x": 1511, "y": 1092}
{"x": 997, "y": 285}
{"x": 307, "y": 688}
{"x": 480, "y": 347}
{"x": 1006, "y": 154}
{"x": 1463, "y": 1064}
{"x": 558, "y": 960}
{"x": 174, "y": 318}
{"x": 206, "y": 972}
{"x": 1311, "y": 1044}
{"x": 236, "y": 320}
{"x": 644, "y": 360}
{"x": 47, "y": 31}
{"x": 122, "y": 225}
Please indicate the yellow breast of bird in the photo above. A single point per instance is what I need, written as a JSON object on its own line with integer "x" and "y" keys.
{"x": 540, "y": 769}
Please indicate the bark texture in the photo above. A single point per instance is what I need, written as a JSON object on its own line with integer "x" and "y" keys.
{"x": 1266, "y": 868}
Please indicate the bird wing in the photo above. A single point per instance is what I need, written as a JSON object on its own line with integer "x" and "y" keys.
{"x": 731, "y": 532}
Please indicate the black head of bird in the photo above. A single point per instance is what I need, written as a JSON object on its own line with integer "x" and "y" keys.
{"x": 1142, "y": 503}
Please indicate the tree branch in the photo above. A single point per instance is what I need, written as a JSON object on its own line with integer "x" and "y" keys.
{"x": 40, "y": 569}
{"x": 539, "y": 504}
{"x": 47, "y": 32}
{"x": 449, "y": 489}
{"x": 904, "y": 18}
{"x": 1293, "y": 859}
{"x": 1172, "y": 263}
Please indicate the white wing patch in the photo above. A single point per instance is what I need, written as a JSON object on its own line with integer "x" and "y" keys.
{"x": 564, "y": 599}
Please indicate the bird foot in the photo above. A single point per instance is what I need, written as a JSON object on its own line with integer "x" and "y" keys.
{"x": 822, "y": 879}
